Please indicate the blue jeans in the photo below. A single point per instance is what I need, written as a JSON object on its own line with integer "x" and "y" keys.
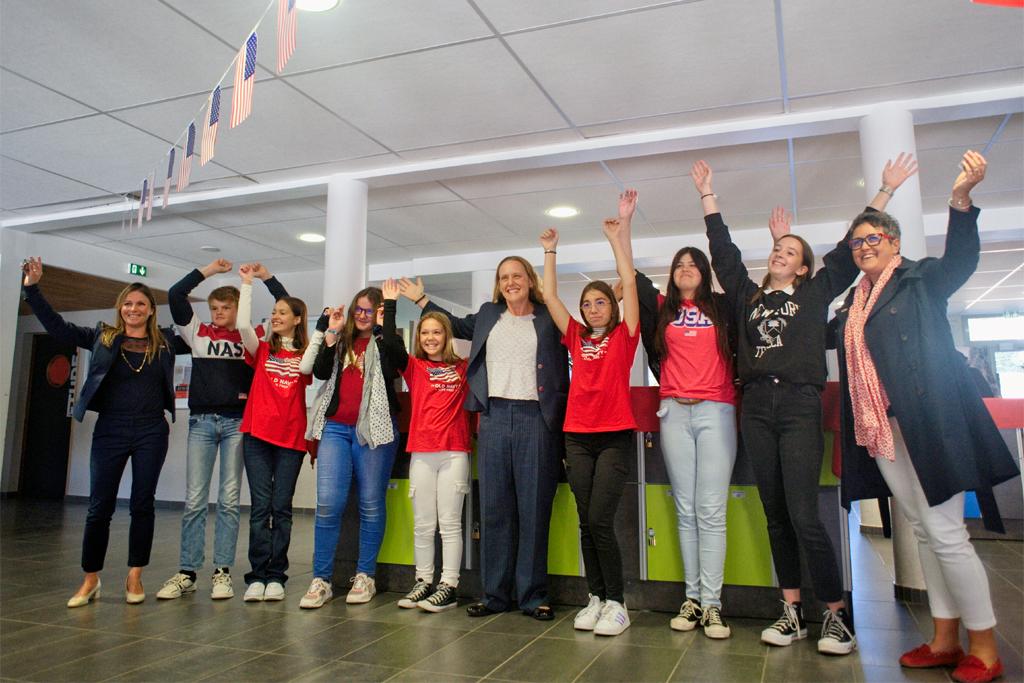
{"x": 272, "y": 472}
{"x": 698, "y": 443}
{"x": 207, "y": 432}
{"x": 340, "y": 459}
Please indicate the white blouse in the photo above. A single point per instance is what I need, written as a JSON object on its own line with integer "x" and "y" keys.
{"x": 512, "y": 358}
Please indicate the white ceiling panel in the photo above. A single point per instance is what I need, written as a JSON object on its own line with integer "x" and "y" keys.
{"x": 25, "y": 186}
{"x": 821, "y": 147}
{"x": 827, "y": 214}
{"x": 828, "y": 183}
{"x": 23, "y": 103}
{"x": 967, "y": 133}
{"x": 513, "y": 16}
{"x": 170, "y": 225}
{"x": 406, "y": 195}
{"x": 285, "y": 235}
{"x": 597, "y": 73}
{"x": 524, "y": 213}
{"x": 448, "y": 95}
{"x": 721, "y": 160}
{"x": 254, "y": 214}
{"x": 1005, "y": 173}
{"x": 148, "y": 256}
{"x": 83, "y": 235}
{"x": 518, "y": 182}
{"x": 512, "y": 243}
{"x": 697, "y": 117}
{"x": 325, "y": 169}
{"x": 390, "y": 254}
{"x": 486, "y": 146}
{"x": 187, "y": 247}
{"x": 109, "y": 53}
{"x": 292, "y": 264}
{"x": 739, "y": 192}
{"x": 432, "y": 223}
{"x": 877, "y": 42}
{"x": 985, "y": 200}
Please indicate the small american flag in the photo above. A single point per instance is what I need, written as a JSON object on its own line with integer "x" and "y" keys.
{"x": 185, "y": 170}
{"x": 167, "y": 180}
{"x": 287, "y": 18}
{"x": 245, "y": 76}
{"x": 142, "y": 201}
{"x": 150, "y": 187}
{"x": 445, "y": 375}
{"x": 210, "y": 127}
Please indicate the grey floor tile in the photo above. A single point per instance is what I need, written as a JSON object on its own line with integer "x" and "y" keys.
{"x": 267, "y": 668}
{"x": 883, "y": 614}
{"x": 799, "y": 670}
{"x": 724, "y": 668}
{"x": 745, "y": 640}
{"x": 405, "y": 647}
{"x": 338, "y": 640}
{"x": 520, "y": 624}
{"x": 648, "y": 629}
{"x": 632, "y": 663}
{"x": 191, "y": 664}
{"x": 549, "y": 659}
{"x": 347, "y": 671}
{"x": 413, "y": 676}
{"x": 385, "y": 608}
{"x": 109, "y": 663}
{"x": 475, "y": 654}
{"x": 44, "y": 655}
{"x": 31, "y": 636}
{"x": 889, "y": 674}
{"x": 224, "y": 626}
{"x": 285, "y": 629}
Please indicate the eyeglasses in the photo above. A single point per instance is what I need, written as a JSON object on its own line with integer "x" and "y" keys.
{"x": 872, "y": 240}
{"x": 594, "y": 303}
{"x": 364, "y": 312}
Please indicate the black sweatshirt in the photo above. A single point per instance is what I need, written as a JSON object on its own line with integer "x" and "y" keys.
{"x": 220, "y": 376}
{"x": 781, "y": 335}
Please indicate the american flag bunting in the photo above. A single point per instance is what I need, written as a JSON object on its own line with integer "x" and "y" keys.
{"x": 210, "y": 127}
{"x": 150, "y": 188}
{"x": 142, "y": 201}
{"x": 287, "y": 18}
{"x": 167, "y": 180}
{"x": 185, "y": 170}
{"x": 245, "y": 76}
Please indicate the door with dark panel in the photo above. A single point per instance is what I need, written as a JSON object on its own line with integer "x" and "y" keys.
{"x": 44, "y": 459}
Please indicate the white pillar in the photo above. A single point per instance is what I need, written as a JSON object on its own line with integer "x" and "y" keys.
{"x": 482, "y": 288}
{"x": 345, "y": 249}
{"x": 884, "y": 133}
{"x": 13, "y": 248}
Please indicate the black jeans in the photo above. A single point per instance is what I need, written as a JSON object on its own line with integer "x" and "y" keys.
{"x": 597, "y": 465}
{"x": 143, "y": 439}
{"x": 781, "y": 427}
{"x": 272, "y": 472}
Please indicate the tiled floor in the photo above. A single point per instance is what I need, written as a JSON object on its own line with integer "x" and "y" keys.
{"x": 194, "y": 638}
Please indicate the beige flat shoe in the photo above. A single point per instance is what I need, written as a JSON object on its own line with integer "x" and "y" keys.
{"x": 133, "y": 598}
{"x": 83, "y": 600}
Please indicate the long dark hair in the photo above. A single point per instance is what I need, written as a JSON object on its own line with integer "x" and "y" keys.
{"x": 300, "y": 337}
{"x": 807, "y": 260}
{"x": 704, "y": 299}
{"x": 606, "y": 290}
{"x": 348, "y": 333}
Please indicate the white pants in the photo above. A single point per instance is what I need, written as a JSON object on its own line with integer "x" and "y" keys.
{"x": 438, "y": 484}
{"x": 954, "y": 576}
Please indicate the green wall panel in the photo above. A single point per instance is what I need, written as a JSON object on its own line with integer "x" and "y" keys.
{"x": 397, "y": 547}
{"x": 827, "y": 478}
{"x": 564, "y": 534}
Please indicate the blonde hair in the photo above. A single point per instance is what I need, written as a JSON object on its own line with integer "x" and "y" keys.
{"x": 536, "y": 290}
{"x": 448, "y": 355}
{"x": 155, "y": 337}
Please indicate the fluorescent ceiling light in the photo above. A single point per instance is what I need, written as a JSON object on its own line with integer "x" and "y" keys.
{"x": 562, "y": 211}
{"x": 312, "y": 237}
{"x": 317, "y": 5}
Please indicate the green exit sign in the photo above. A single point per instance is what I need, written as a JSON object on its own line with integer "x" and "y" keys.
{"x": 137, "y": 269}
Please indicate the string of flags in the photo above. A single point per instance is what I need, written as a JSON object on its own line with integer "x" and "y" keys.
{"x": 241, "y": 107}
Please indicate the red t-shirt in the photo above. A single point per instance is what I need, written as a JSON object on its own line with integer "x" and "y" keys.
{"x": 599, "y": 391}
{"x": 276, "y": 409}
{"x": 350, "y": 389}
{"x": 437, "y": 391}
{"x": 693, "y": 367}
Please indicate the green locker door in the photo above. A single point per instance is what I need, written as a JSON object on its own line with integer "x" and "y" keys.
{"x": 397, "y": 547}
{"x": 564, "y": 534}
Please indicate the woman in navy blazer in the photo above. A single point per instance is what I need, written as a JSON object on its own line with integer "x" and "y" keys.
{"x": 130, "y": 384}
{"x": 518, "y": 382}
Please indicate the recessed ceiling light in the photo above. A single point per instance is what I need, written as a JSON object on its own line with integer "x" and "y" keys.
{"x": 860, "y": 183}
{"x": 207, "y": 247}
{"x": 312, "y": 237}
{"x": 317, "y": 5}
{"x": 562, "y": 211}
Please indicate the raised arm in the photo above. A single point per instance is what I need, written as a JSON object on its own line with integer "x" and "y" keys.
{"x": 312, "y": 351}
{"x": 726, "y": 259}
{"x": 893, "y": 175}
{"x": 181, "y": 310}
{"x": 462, "y": 328}
{"x": 244, "y": 325}
{"x": 323, "y": 365}
{"x": 275, "y": 288}
{"x": 52, "y": 322}
{"x": 559, "y": 313}
{"x": 619, "y": 234}
{"x": 394, "y": 347}
{"x": 948, "y": 273}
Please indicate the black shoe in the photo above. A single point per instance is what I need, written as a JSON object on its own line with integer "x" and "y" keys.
{"x": 479, "y": 609}
{"x": 440, "y": 600}
{"x": 420, "y": 591}
{"x": 788, "y": 628}
{"x": 542, "y": 613}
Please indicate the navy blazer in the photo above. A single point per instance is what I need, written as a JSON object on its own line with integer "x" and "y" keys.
{"x": 102, "y": 356}
{"x": 552, "y": 359}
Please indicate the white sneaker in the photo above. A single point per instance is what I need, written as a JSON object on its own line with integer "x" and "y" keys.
{"x": 586, "y": 618}
{"x": 222, "y": 588}
{"x": 255, "y": 592}
{"x": 176, "y": 586}
{"x": 614, "y": 619}
{"x": 714, "y": 626}
{"x": 318, "y": 595}
{"x": 688, "y": 617}
{"x": 363, "y": 589}
{"x": 275, "y": 591}
{"x": 836, "y": 636}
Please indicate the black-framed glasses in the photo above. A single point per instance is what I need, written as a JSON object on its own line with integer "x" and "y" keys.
{"x": 872, "y": 240}
{"x": 364, "y": 312}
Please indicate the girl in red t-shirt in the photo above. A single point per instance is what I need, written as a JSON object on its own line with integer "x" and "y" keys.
{"x": 439, "y": 445}
{"x": 599, "y": 425}
{"x": 273, "y": 429}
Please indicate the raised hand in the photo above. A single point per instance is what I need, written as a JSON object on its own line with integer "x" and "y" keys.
{"x": 33, "y": 270}
{"x": 895, "y": 172}
{"x": 246, "y": 271}
{"x": 779, "y": 222}
{"x": 972, "y": 172}
{"x": 616, "y": 229}
{"x": 336, "y": 318}
{"x": 413, "y": 291}
{"x": 627, "y": 204}
{"x": 390, "y": 289}
{"x": 260, "y": 271}
{"x": 701, "y": 174}
{"x": 221, "y": 265}
{"x": 549, "y": 239}
{"x": 617, "y": 290}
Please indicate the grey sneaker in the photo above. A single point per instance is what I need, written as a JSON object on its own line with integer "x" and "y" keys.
{"x": 222, "y": 588}
{"x": 688, "y": 617}
{"x": 363, "y": 589}
{"x": 420, "y": 591}
{"x": 176, "y": 586}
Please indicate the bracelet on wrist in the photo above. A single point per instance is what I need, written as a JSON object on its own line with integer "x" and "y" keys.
{"x": 331, "y": 332}
{"x": 550, "y": 251}
{"x": 417, "y": 302}
{"x": 960, "y": 203}
{"x": 709, "y": 194}
{"x": 886, "y": 189}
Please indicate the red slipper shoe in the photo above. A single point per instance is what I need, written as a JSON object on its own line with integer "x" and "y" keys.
{"x": 973, "y": 670}
{"x": 922, "y": 657}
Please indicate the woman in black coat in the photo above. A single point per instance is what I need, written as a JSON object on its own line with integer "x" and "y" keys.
{"x": 914, "y": 426}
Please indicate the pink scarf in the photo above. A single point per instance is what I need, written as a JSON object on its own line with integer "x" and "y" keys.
{"x": 870, "y": 402}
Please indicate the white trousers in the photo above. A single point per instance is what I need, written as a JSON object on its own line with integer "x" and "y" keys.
{"x": 954, "y": 576}
{"x": 438, "y": 484}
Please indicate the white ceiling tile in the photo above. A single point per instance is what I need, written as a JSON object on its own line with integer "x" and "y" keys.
{"x": 829, "y": 214}
{"x": 407, "y": 195}
{"x": 458, "y": 93}
{"x": 254, "y": 214}
{"x": 513, "y": 16}
{"x": 821, "y": 147}
{"x": 187, "y": 247}
{"x": 1005, "y": 172}
{"x": 740, "y": 192}
{"x": 389, "y": 255}
{"x": 535, "y": 180}
{"x": 967, "y": 133}
{"x": 26, "y": 186}
{"x": 285, "y": 235}
{"x": 714, "y": 114}
{"x": 432, "y": 223}
{"x": 597, "y": 72}
{"x": 109, "y": 53}
{"x": 828, "y": 183}
{"x": 721, "y": 159}
{"x": 169, "y": 225}
{"x": 524, "y": 213}
{"x": 874, "y": 43}
{"x": 82, "y": 235}
{"x": 485, "y": 146}
{"x": 148, "y": 256}
{"x": 329, "y": 168}
{"x": 23, "y": 103}
{"x": 291, "y": 264}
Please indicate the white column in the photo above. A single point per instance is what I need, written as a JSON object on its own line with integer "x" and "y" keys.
{"x": 345, "y": 249}
{"x": 13, "y": 248}
{"x": 482, "y": 288}
{"x": 885, "y": 133}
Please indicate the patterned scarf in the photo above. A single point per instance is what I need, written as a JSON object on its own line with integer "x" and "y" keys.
{"x": 870, "y": 402}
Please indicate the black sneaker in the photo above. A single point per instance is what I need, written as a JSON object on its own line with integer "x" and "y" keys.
{"x": 420, "y": 591}
{"x": 688, "y": 618}
{"x": 837, "y": 634}
{"x": 713, "y": 624}
{"x": 789, "y": 627}
{"x": 442, "y": 599}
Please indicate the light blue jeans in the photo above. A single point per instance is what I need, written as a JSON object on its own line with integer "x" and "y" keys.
{"x": 698, "y": 443}
{"x": 339, "y": 460}
{"x": 206, "y": 433}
